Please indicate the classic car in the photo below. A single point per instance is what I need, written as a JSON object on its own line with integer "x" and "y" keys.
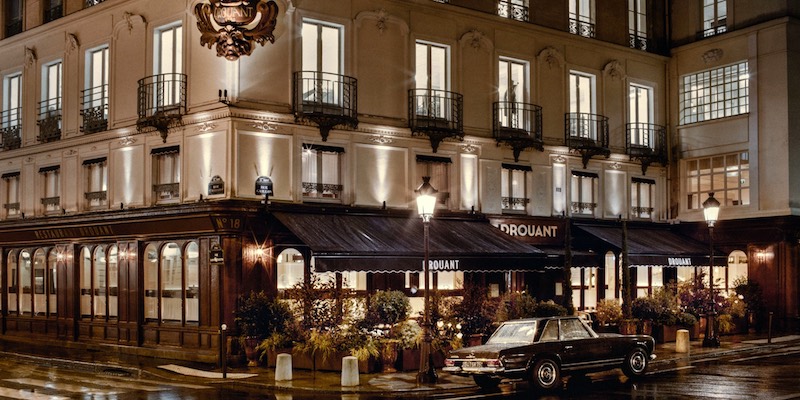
{"x": 541, "y": 350}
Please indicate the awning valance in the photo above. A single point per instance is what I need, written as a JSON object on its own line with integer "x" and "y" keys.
{"x": 382, "y": 243}
{"x": 656, "y": 246}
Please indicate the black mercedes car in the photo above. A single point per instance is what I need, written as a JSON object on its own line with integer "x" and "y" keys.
{"x": 543, "y": 349}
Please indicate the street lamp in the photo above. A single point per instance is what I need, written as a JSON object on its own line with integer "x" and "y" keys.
{"x": 426, "y": 203}
{"x": 711, "y": 212}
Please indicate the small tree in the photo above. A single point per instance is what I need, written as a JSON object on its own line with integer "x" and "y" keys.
{"x": 476, "y": 311}
{"x": 609, "y": 312}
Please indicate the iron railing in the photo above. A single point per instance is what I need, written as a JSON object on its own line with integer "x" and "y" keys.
{"x": 584, "y": 130}
{"x": 507, "y": 9}
{"x": 94, "y": 109}
{"x": 582, "y": 28}
{"x": 11, "y": 127}
{"x": 49, "y": 120}
{"x": 638, "y": 42}
{"x": 90, "y": 3}
{"x": 646, "y": 143}
{"x": 322, "y": 190}
{"x": 325, "y": 99}
{"x": 518, "y": 125}
{"x": 161, "y": 101}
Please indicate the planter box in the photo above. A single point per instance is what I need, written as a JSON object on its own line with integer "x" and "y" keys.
{"x": 669, "y": 333}
{"x": 409, "y": 359}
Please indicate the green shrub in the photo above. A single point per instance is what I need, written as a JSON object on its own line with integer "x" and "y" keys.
{"x": 609, "y": 312}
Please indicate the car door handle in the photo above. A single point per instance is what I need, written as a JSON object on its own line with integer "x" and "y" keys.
{"x": 567, "y": 347}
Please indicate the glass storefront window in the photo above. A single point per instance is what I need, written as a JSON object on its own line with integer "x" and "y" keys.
{"x": 113, "y": 281}
{"x": 12, "y": 282}
{"x": 86, "y": 282}
{"x": 192, "y": 282}
{"x": 171, "y": 283}
{"x": 151, "y": 282}
{"x": 290, "y": 268}
{"x": 39, "y": 295}
{"x": 25, "y": 279}
{"x": 99, "y": 281}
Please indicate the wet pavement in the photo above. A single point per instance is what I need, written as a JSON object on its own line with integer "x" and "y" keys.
{"x": 107, "y": 360}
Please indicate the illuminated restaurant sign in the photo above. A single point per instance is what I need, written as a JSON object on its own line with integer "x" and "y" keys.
{"x": 532, "y": 230}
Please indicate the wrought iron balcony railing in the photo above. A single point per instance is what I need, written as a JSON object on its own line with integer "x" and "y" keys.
{"x": 638, "y": 42}
{"x": 646, "y": 143}
{"x": 583, "y": 207}
{"x": 166, "y": 191}
{"x": 49, "y": 120}
{"x": 438, "y": 114}
{"x": 587, "y": 134}
{"x": 514, "y": 203}
{"x": 322, "y": 190}
{"x": 325, "y": 99}
{"x": 581, "y": 28}
{"x": 11, "y": 128}
{"x": 518, "y": 125}
{"x": 161, "y": 102}
{"x": 94, "y": 109}
{"x": 13, "y": 27}
{"x": 90, "y": 3}
{"x": 508, "y": 9}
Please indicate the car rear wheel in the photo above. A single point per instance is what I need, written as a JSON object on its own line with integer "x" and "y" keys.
{"x": 635, "y": 363}
{"x": 546, "y": 375}
{"x": 486, "y": 382}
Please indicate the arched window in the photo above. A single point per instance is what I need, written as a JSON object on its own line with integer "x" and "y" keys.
{"x": 737, "y": 267}
{"x": 25, "y": 282}
{"x": 192, "y": 261}
{"x": 113, "y": 281}
{"x": 612, "y": 272}
{"x": 290, "y": 268}
{"x": 52, "y": 282}
{"x": 171, "y": 283}
{"x": 99, "y": 282}
{"x": 86, "y": 282}
{"x": 39, "y": 282}
{"x": 151, "y": 282}
{"x": 12, "y": 282}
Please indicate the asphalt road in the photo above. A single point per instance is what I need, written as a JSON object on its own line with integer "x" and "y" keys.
{"x": 753, "y": 375}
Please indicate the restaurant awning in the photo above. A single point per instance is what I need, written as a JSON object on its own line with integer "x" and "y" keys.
{"x": 656, "y": 246}
{"x": 389, "y": 243}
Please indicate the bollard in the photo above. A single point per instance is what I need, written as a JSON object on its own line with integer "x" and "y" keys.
{"x": 769, "y": 329}
{"x": 283, "y": 367}
{"x": 682, "y": 341}
{"x": 223, "y": 350}
{"x": 350, "y": 371}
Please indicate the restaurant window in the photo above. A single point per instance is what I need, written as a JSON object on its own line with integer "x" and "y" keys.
{"x": 171, "y": 283}
{"x": 584, "y": 193}
{"x": 738, "y": 263}
{"x": 12, "y": 282}
{"x": 438, "y": 169}
{"x": 291, "y": 268}
{"x": 166, "y": 174}
{"x": 51, "y": 183}
{"x": 322, "y": 172}
{"x": 151, "y": 291}
{"x": 99, "y": 283}
{"x": 99, "y": 280}
{"x": 637, "y": 24}
{"x": 584, "y": 287}
{"x": 612, "y": 273}
{"x": 44, "y": 282}
{"x": 96, "y": 192}
{"x": 514, "y": 188}
{"x": 94, "y": 108}
{"x": 512, "y": 89}
{"x": 715, "y": 17}
{"x": 727, "y": 176}
{"x": 581, "y": 17}
{"x": 192, "y": 262}
{"x": 11, "y": 194}
{"x": 715, "y": 93}
{"x": 25, "y": 282}
{"x": 13, "y": 17}
{"x": 648, "y": 279}
{"x": 642, "y": 195}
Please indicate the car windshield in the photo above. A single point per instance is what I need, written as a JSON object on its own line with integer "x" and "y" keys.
{"x": 514, "y": 333}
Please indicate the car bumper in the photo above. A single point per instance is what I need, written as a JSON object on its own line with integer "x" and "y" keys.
{"x": 474, "y": 371}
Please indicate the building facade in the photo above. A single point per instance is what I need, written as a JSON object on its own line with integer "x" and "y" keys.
{"x": 151, "y": 176}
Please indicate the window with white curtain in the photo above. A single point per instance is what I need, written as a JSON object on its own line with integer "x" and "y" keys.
{"x": 637, "y": 24}
{"x": 96, "y": 173}
{"x": 438, "y": 169}
{"x": 642, "y": 196}
{"x": 166, "y": 174}
{"x": 12, "y": 282}
{"x": 51, "y": 199}
{"x": 11, "y": 194}
{"x": 581, "y": 17}
{"x": 584, "y": 192}
{"x": 322, "y": 172}
{"x": 715, "y": 17}
{"x": 514, "y": 187}
{"x": 168, "y": 61}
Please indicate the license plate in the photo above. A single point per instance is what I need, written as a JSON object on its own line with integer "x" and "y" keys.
{"x": 472, "y": 364}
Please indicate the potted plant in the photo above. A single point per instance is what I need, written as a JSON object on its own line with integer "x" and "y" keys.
{"x": 386, "y": 310}
{"x": 751, "y": 294}
{"x": 476, "y": 313}
{"x": 646, "y": 310}
{"x": 608, "y": 314}
{"x": 258, "y": 317}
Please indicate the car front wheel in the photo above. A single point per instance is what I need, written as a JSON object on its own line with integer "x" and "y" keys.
{"x": 546, "y": 374}
{"x": 486, "y": 382}
{"x": 635, "y": 363}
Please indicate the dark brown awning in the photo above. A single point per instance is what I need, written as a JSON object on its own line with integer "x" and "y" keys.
{"x": 656, "y": 246}
{"x": 383, "y": 243}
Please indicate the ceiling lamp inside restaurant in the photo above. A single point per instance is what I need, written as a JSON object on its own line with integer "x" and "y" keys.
{"x": 235, "y": 24}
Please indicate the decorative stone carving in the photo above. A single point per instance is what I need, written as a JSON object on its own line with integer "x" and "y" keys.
{"x": 383, "y": 19}
{"x": 477, "y": 40}
{"x": 381, "y": 139}
{"x": 712, "y": 56}
{"x": 614, "y": 70}
{"x": 206, "y": 126}
{"x": 559, "y": 159}
{"x": 234, "y": 27}
{"x": 469, "y": 148}
{"x": 72, "y": 43}
{"x": 30, "y": 57}
{"x": 264, "y": 125}
{"x": 552, "y": 57}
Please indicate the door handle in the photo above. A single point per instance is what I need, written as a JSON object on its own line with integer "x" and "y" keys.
{"x": 568, "y": 347}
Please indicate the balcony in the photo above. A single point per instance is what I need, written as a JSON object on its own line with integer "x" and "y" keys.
{"x": 53, "y": 13}
{"x": 512, "y": 10}
{"x": 587, "y": 134}
{"x": 161, "y": 102}
{"x": 13, "y": 27}
{"x": 325, "y": 99}
{"x": 11, "y": 128}
{"x": 322, "y": 190}
{"x": 90, "y": 3}
{"x": 646, "y": 143}
{"x": 581, "y": 28}
{"x": 518, "y": 125}
{"x": 94, "y": 109}
{"x": 49, "y": 120}
{"x": 437, "y": 114}
{"x": 638, "y": 42}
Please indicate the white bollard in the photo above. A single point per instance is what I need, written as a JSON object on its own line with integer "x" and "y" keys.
{"x": 350, "y": 371}
{"x": 283, "y": 367}
{"x": 682, "y": 341}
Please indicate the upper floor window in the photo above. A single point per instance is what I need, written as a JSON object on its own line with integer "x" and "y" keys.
{"x": 512, "y": 90}
{"x": 51, "y": 182}
{"x": 513, "y": 9}
{"x": 11, "y": 194}
{"x": 715, "y": 17}
{"x": 322, "y": 62}
{"x": 13, "y": 17}
{"x": 166, "y": 174}
{"x": 94, "y": 107}
{"x": 432, "y": 66}
{"x": 50, "y": 107}
{"x": 581, "y": 93}
{"x": 727, "y": 176}
{"x": 322, "y": 175}
{"x": 637, "y": 24}
{"x": 90, "y": 3}
{"x": 53, "y": 10}
{"x": 640, "y": 114}
{"x": 716, "y": 93}
{"x": 438, "y": 169}
{"x": 514, "y": 187}
{"x": 584, "y": 191}
{"x": 642, "y": 194}
{"x": 581, "y": 17}
{"x": 11, "y": 115}
{"x": 96, "y": 172}
{"x": 168, "y": 64}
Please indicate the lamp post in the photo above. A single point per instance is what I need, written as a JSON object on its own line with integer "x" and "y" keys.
{"x": 426, "y": 203}
{"x": 711, "y": 212}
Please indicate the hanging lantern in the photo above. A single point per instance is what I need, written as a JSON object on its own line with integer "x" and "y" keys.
{"x": 234, "y": 25}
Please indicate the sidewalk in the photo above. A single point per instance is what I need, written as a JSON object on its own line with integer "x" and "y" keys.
{"x": 262, "y": 378}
